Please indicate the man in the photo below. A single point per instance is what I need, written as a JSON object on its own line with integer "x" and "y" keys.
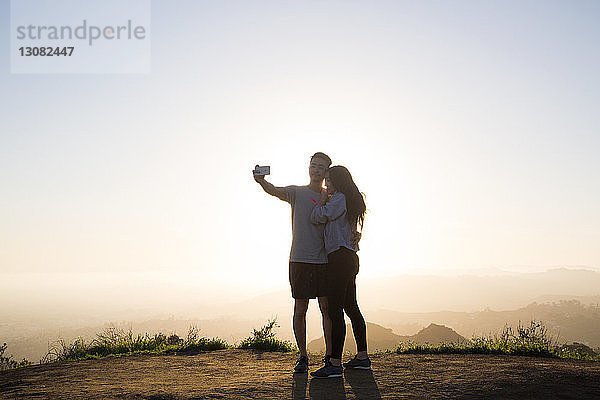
{"x": 308, "y": 258}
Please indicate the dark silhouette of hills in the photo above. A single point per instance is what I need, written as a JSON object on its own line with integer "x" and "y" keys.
{"x": 435, "y": 334}
{"x": 567, "y": 321}
{"x": 381, "y": 338}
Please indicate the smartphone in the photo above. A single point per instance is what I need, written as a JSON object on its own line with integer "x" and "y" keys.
{"x": 262, "y": 170}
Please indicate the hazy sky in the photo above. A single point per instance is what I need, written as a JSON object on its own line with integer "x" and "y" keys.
{"x": 473, "y": 127}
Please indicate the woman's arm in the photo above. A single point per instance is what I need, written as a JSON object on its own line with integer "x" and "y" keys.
{"x": 331, "y": 210}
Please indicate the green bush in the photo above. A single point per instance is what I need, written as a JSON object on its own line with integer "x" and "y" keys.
{"x": 266, "y": 340}
{"x": 116, "y": 341}
{"x": 8, "y": 362}
{"x": 195, "y": 344}
{"x": 525, "y": 340}
{"x": 578, "y": 351}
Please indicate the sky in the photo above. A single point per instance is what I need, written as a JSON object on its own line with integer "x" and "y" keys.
{"x": 472, "y": 127}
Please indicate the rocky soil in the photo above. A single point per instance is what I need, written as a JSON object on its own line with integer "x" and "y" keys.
{"x": 239, "y": 374}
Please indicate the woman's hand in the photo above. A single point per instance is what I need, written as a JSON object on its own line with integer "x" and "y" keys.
{"x": 324, "y": 197}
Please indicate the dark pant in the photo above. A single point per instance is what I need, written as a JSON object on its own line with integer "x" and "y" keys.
{"x": 342, "y": 267}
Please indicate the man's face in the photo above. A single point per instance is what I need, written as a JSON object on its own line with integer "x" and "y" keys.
{"x": 317, "y": 168}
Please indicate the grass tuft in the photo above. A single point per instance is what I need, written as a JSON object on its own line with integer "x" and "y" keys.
{"x": 525, "y": 340}
{"x": 265, "y": 339}
{"x": 116, "y": 341}
{"x": 195, "y": 344}
{"x": 8, "y": 362}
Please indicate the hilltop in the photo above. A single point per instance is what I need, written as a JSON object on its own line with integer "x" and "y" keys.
{"x": 381, "y": 338}
{"x": 241, "y": 374}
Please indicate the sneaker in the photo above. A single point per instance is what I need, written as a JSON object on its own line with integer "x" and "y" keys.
{"x": 328, "y": 371}
{"x": 356, "y": 363}
{"x": 301, "y": 365}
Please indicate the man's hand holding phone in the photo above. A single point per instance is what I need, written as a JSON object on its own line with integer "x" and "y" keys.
{"x": 260, "y": 172}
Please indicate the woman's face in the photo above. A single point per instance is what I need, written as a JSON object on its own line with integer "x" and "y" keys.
{"x": 329, "y": 183}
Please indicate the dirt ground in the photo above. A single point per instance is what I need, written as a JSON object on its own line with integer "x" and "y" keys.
{"x": 240, "y": 374}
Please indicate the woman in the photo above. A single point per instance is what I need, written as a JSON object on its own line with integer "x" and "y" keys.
{"x": 342, "y": 209}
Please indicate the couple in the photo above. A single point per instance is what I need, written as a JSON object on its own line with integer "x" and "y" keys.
{"x": 323, "y": 260}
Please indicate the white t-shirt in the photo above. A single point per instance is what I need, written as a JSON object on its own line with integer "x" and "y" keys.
{"x": 307, "y": 238}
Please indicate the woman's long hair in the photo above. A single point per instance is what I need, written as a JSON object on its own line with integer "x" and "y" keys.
{"x": 355, "y": 202}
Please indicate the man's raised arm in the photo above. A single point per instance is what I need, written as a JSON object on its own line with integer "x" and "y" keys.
{"x": 270, "y": 188}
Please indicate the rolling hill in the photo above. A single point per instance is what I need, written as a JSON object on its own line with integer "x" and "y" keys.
{"x": 381, "y": 338}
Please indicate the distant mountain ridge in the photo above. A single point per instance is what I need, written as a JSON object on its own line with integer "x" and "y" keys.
{"x": 568, "y": 321}
{"x": 381, "y": 338}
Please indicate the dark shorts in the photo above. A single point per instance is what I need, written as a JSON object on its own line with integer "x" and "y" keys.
{"x": 308, "y": 281}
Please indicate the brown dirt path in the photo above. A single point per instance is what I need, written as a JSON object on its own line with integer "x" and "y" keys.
{"x": 238, "y": 374}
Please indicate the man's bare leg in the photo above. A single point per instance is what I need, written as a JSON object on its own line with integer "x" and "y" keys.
{"x": 323, "y": 306}
{"x": 299, "y": 322}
